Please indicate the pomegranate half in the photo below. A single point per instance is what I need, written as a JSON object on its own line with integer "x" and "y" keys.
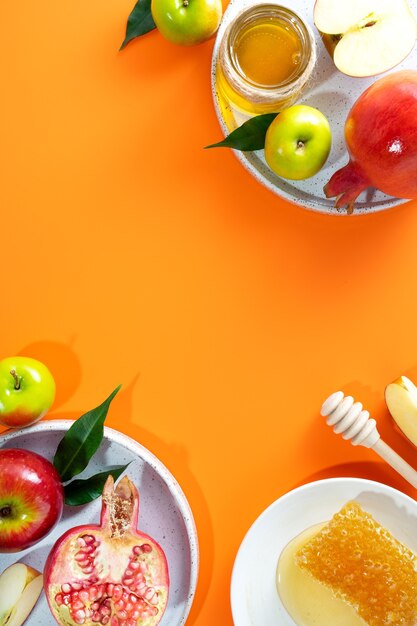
{"x": 381, "y": 137}
{"x": 108, "y": 574}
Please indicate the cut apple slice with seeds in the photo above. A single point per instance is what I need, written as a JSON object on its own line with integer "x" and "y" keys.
{"x": 20, "y": 588}
{"x": 369, "y": 36}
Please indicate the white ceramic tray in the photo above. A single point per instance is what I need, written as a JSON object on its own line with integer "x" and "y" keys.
{"x": 164, "y": 513}
{"x": 330, "y": 91}
{"x": 254, "y": 598}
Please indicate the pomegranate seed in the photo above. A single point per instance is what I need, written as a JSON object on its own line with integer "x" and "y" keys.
{"x": 135, "y": 615}
{"x": 125, "y": 596}
{"x": 66, "y": 588}
{"x": 95, "y": 606}
{"x": 106, "y": 620}
{"x": 146, "y": 548}
{"x": 143, "y": 567}
{"x": 96, "y": 617}
{"x": 88, "y": 539}
{"x": 137, "y": 550}
{"x": 92, "y": 593}
{"x": 118, "y": 592}
{"x": 96, "y": 543}
{"x": 122, "y": 614}
{"x": 89, "y": 569}
{"x": 128, "y": 573}
{"x": 149, "y": 593}
{"x": 59, "y": 599}
{"x": 114, "y": 621}
{"x": 109, "y": 589}
{"x": 119, "y": 605}
{"x": 105, "y": 610}
{"x": 107, "y": 602}
{"x": 155, "y": 598}
{"x": 141, "y": 589}
{"x": 139, "y": 577}
{"x": 84, "y": 596}
{"x": 133, "y": 598}
{"x": 81, "y": 542}
{"x": 134, "y": 565}
{"x": 77, "y": 586}
{"x": 79, "y": 617}
{"x": 66, "y": 599}
{"x": 81, "y": 558}
{"x": 128, "y": 581}
{"x": 76, "y": 605}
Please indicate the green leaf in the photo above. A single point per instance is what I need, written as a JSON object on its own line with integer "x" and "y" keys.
{"x": 140, "y": 21}
{"x": 81, "y": 441}
{"x": 250, "y": 136}
{"x": 82, "y": 491}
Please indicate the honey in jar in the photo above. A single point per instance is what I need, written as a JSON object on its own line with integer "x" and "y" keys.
{"x": 265, "y": 59}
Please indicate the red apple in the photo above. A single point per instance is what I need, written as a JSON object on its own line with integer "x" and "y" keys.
{"x": 31, "y": 499}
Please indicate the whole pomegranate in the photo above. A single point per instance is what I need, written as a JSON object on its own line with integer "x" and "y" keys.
{"x": 108, "y": 574}
{"x": 381, "y": 137}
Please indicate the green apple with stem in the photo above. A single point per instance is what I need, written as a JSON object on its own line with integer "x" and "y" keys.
{"x": 298, "y": 142}
{"x": 187, "y": 22}
{"x": 27, "y": 391}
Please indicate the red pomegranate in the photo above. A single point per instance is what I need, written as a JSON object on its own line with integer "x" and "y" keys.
{"x": 108, "y": 574}
{"x": 381, "y": 137}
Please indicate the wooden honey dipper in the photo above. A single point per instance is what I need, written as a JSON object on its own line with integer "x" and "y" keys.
{"x": 350, "y": 420}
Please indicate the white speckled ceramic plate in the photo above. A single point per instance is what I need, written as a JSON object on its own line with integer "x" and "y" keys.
{"x": 330, "y": 91}
{"x": 254, "y": 597}
{"x": 164, "y": 513}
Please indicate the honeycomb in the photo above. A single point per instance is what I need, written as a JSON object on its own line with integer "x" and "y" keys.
{"x": 364, "y": 565}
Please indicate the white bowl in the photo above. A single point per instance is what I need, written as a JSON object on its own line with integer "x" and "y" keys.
{"x": 254, "y": 598}
{"x": 164, "y": 512}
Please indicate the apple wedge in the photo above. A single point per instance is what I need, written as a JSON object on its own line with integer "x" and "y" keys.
{"x": 366, "y": 37}
{"x": 20, "y": 588}
{"x": 401, "y": 399}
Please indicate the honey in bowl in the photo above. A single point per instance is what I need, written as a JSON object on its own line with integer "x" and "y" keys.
{"x": 358, "y": 563}
{"x": 268, "y": 53}
{"x": 265, "y": 59}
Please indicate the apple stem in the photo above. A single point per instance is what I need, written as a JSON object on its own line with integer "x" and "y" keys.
{"x": 17, "y": 379}
{"x": 186, "y": 3}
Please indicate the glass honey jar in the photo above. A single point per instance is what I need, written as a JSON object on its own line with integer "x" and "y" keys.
{"x": 266, "y": 56}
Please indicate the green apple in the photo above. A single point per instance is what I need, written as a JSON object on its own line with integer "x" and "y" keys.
{"x": 298, "y": 142}
{"x": 187, "y": 22}
{"x": 27, "y": 391}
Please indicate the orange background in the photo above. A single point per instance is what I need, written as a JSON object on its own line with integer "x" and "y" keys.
{"x": 130, "y": 254}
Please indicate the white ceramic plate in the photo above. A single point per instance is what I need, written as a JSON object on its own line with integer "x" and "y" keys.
{"x": 330, "y": 91}
{"x": 255, "y": 601}
{"x": 164, "y": 513}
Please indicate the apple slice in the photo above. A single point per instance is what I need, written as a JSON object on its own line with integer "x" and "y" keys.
{"x": 367, "y": 37}
{"x": 401, "y": 399}
{"x": 20, "y": 588}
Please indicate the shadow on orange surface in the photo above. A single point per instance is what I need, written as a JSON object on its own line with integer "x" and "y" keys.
{"x": 380, "y": 472}
{"x": 64, "y": 364}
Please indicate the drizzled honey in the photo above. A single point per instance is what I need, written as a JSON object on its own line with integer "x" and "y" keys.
{"x": 363, "y": 564}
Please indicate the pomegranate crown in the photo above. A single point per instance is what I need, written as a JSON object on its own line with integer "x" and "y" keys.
{"x": 120, "y": 508}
